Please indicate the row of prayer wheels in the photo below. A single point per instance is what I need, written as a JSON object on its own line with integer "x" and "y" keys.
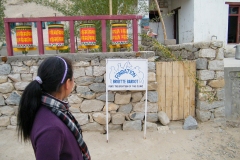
{"x": 56, "y": 37}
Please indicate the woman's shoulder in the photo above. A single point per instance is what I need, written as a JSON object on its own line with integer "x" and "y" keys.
{"x": 45, "y": 119}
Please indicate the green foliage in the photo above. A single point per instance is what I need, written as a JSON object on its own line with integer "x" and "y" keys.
{"x": 2, "y": 15}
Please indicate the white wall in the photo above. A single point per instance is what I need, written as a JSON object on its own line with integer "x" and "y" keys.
{"x": 186, "y": 19}
{"x": 210, "y": 18}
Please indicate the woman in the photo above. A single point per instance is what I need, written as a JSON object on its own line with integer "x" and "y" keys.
{"x": 44, "y": 116}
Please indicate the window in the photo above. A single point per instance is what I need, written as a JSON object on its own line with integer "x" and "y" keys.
{"x": 234, "y": 23}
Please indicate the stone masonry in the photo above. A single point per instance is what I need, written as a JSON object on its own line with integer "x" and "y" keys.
{"x": 210, "y": 75}
{"x": 87, "y": 101}
{"x": 126, "y": 108}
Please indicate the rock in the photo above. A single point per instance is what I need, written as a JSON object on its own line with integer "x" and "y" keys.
{"x": 152, "y": 97}
{"x": 17, "y": 63}
{"x": 152, "y": 117}
{"x": 126, "y": 109}
{"x": 23, "y": 69}
{"x": 20, "y": 86}
{"x": 89, "y": 71}
{"x": 202, "y": 45}
{"x": 6, "y": 87}
{"x": 217, "y": 83}
{"x": 136, "y": 116}
{"x": 136, "y": 96}
{"x": 217, "y": 44}
{"x": 2, "y": 103}
{"x": 33, "y": 69}
{"x": 3, "y": 79}
{"x": 82, "y": 89}
{"x": 190, "y": 123}
{"x": 98, "y": 79}
{"x": 163, "y": 118}
{"x": 98, "y": 87}
{"x": 95, "y": 62}
{"x": 220, "y": 53}
{"x": 81, "y": 64}
{"x": 111, "y": 107}
{"x": 11, "y": 127}
{"x": 201, "y": 63}
{"x": 151, "y": 126}
{"x": 75, "y": 108}
{"x": 4, "y": 121}
{"x": 7, "y": 110}
{"x": 29, "y": 62}
{"x": 219, "y": 75}
{"x": 93, "y": 127}
{"x": 207, "y": 53}
{"x": 205, "y": 75}
{"x": 26, "y": 77}
{"x": 5, "y": 69}
{"x": 140, "y": 107}
{"x": 114, "y": 127}
{"x": 103, "y": 97}
{"x": 202, "y": 105}
{"x": 122, "y": 98}
{"x": 203, "y": 116}
{"x": 101, "y": 118}
{"x": 81, "y": 118}
{"x": 132, "y": 125}
{"x": 13, "y": 99}
{"x": 84, "y": 81}
{"x": 216, "y": 65}
{"x": 73, "y": 98}
{"x": 90, "y": 118}
{"x": 99, "y": 70}
{"x": 78, "y": 72}
{"x": 174, "y": 47}
{"x": 152, "y": 86}
{"x": 151, "y": 77}
{"x": 88, "y": 95}
{"x": 13, "y": 120}
{"x": 91, "y": 106}
{"x": 219, "y": 112}
{"x": 151, "y": 67}
{"x": 221, "y": 94}
{"x": 118, "y": 118}
{"x": 15, "y": 77}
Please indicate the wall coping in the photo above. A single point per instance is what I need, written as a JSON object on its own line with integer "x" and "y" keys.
{"x": 83, "y": 56}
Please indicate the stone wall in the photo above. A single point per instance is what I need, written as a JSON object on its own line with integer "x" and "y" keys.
{"x": 87, "y": 101}
{"x": 210, "y": 75}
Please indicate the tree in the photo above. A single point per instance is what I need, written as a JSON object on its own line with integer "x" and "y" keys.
{"x": 2, "y": 15}
{"x": 161, "y": 19}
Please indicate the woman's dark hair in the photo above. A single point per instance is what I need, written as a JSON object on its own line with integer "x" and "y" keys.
{"x": 51, "y": 71}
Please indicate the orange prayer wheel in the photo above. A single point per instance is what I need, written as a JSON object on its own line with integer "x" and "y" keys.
{"x": 24, "y": 36}
{"x": 88, "y": 34}
{"x": 56, "y": 35}
{"x": 119, "y": 33}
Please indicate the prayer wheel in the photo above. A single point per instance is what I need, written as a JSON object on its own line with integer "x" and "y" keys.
{"x": 24, "y": 36}
{"x": 88, "y": 34}
{"x": 56, "y": 35}
{"x": 119, "y": 33}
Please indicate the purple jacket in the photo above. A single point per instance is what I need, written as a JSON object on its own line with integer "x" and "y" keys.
{"x": 51, "y": 139}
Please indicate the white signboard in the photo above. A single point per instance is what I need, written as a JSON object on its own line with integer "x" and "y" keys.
{"x": 126, "y": 74}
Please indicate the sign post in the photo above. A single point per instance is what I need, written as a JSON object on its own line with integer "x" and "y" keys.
{"x": 126, "y": 74}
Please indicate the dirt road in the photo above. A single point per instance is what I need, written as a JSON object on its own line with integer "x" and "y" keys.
{"x": 207, "y": 142}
